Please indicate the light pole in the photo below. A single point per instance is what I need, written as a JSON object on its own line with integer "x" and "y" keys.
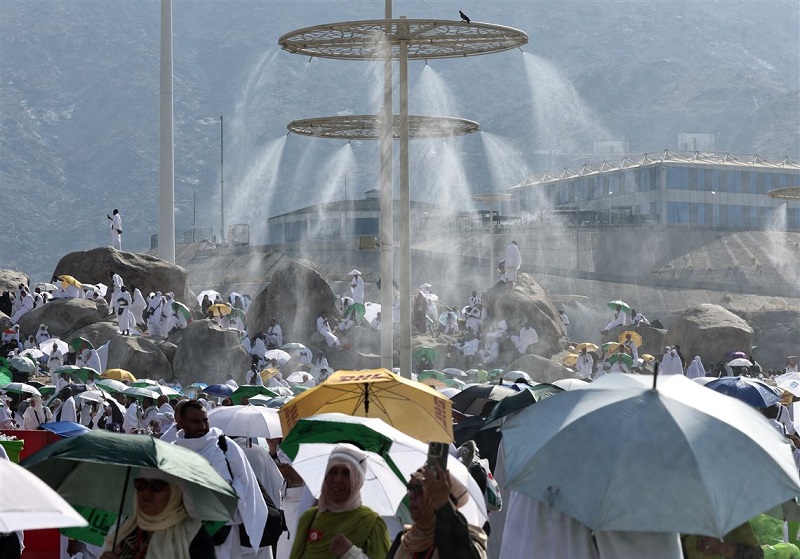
{"x": 489, "y": 199}
{"x": 166, "y": 164}
{"x": 577, "y": 229}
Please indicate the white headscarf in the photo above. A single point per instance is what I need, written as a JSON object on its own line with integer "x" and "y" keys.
{"x": 354, "y": 460}
{"x": 695, "y": 368}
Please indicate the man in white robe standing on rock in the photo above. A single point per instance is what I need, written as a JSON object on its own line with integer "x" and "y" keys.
{"x": 357, "y": 286}
{"x": 513, "y": 262}
{"x": 116, "y": 229}
{"x": 154, "y": 314}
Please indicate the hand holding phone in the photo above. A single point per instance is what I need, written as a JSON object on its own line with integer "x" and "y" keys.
{"x": 437, "y": 454}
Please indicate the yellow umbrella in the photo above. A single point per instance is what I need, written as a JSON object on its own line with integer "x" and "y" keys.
{"x": 647, "y": 357}
{"x": 119, "y": 374}
{"x": 434, "y": 382}
{"x": 571, "y": 359}
{"x": 268, "y": 373}
{"x": 588, "y": 345}
{"x": 413, "y": 408}
{"x": 635, "y": 337}
{"x": 219, "y": 310}
{"x": 69, "y": 280}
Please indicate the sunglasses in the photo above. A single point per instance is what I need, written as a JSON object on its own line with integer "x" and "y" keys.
{"x": 152, "y": 485}
{"x": 415, "y": 488}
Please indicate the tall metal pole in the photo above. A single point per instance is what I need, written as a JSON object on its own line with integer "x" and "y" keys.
{"x": 387, "y": 210}
{"x": 221, "y": 180}
{"x": 166, "y": 174}
{"x": 405, "y": 216}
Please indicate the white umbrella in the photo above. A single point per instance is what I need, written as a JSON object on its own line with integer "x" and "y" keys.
{"x": 449, "y": 391}
{"x": 27, "y": 503}
{"x": 47, "y": 346}
{"x": 790, "y": 385}
{"x": 25, "y": 390}
{"x": 453, "y": 372}
{"x": 651, "y": 472}
{"x": 165, "y": 390}
{"x": 247, "y": 421}
{"x": 91, "y": 396}
{"x": 212, "y": 295}
{"x": 371, "y": 311}
{"x": 33, "y": 352}
{"x": 513, "y": 376}
{"x": 571, "y": 383}
{"x": 278, "y": 354}
{"x": 740, "y": 362}
{"x": 382, "y": 490}
{"x": 299, "y": 377}
{"x": 111, "y": 385}
{"x": 44, "y": 286}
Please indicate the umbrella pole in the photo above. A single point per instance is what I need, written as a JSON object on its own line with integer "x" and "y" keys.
{"x": 366, "y": 399}
{"x": 121, "y": 504}
{"x": 655, "y": 374}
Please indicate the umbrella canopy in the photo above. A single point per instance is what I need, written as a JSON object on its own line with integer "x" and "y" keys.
{"x": 76, "y": 344}
{"x": 66, "y": 429}
{"x": 247, "y": 421}
{"x": 83, "y": 373}
{"x": 453, "y": 372}
{"x": 21, "y": 388}
{"x": 430, "y": 353}
{"x": 182, "y": 310}
{"x": 219, "y": 309}
{"x": 570, "y": 383}
{"x": 90, "y": 396}
{"x": 139, "y": 392}
{"x": 279, "y": 355}
{"x": 298, "y": 377}
{"x": 411, "y": 407}
{"x": 27, "y": 503}
{"x": 750, "y": 391}
{"x": 32, "y": 353}
{"x": 651, "y": 473}
{"x": 618, "y": 303}
{"x": 165, "y": 391}
{"x": 46, "y": 390}
{"x": 22, "y": 364}
{"x": 570, "y": 359}
{"x": 219, "y": 390}
{"x": 357, "y": 308}
{"x": 611, "y": 347}
{"x": 445, "y": 316}
{"x": 293, "y": 346}
{"x": 473, "y": 399}
{"x": 624, "y": 357}
{"x": 521, "y": 400}
{"x": 119, "y": 374}
{"x": 790, "y": 385}
{"x": 740, "y": 362}
{"x": 248, "y": 391}
{"x": 434, "y": 382}
{"x": 513, "y": 376}
{"x": 47, "y": 346}
{"x": 145, "y": 383}
{"x": 588, "y": 345}
{"x": 111, "y": 386}
{"x": 69, "y": 280}
{"x": 636, "y": 338}
{"x": 73, "y": 467}
{"x": 372, "y": 310}
{"x": 212, "y": 295}
{"x": 382, "y": 491}
{"x": 275, "y": 403}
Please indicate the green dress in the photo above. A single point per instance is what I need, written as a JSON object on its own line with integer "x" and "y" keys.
{"x": 362, "y": 526}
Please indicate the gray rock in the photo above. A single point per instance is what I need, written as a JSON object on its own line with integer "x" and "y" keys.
{"x": 540, "y": 369}
{"x": 10, "y": 280}
{"x": 352, "y": 360}
{"x": 146, "y": 272}
{"x": 139, "y": 355}
{"x": 206, "y": 352}
{"x": 63, "y": 316}
{"x": 97, "y": 333}
{"x": 527, "y": 301}
{"x": 296, "y": 296}
{"x": 167, "y": 348}
{"x": 709, "y": 331}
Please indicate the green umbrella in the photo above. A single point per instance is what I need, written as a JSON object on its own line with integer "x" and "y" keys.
{"x": 5, "y": 376}
{"x": 526, "y": 397}
{"x": 82, "y": 373}
{"x": 25, "y": 390}
{"x": 358, "y": 308}
{"x": 76, "y": 344}
{"x": 248, "y": 391}
{"x": 182, "y": 309}
{"x": 111, "y": 386}
{"x": 430, "y": 352}
{"x": 73, "y": 467}
{"x": 144, "y": 383}
{"x": 432, "y": 373}
{"x": 297, "y": 389}
{"x": 139, "y": 392}
{"x": 617, "y": 303}
{"x": 47, "y": 390}
{"x": 624, "y": 357}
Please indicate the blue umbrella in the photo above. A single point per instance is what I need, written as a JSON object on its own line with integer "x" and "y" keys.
{"x": 220, "y": 390}
{"x": 65, "y": 429}
{"x": 750, "y": 391}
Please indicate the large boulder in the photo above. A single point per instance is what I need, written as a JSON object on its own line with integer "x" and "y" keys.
{"x": 97, "y": 333}
{"x": 146, "y": 272}
{"x": 540, "y": 369}
{"x": 709, "y": 331}
{"x": 139, "y": 355}
{"x": 63, "y": 317}
{"x": 208, "y": 353}
{"x": 527, "y": 302}
{"x": 10, "y": 280}
{"x": 351, "y": 360}
{"x": 296, "y": 296}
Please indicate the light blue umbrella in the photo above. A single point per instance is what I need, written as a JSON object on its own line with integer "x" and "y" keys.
{"x": 619, "y": 455}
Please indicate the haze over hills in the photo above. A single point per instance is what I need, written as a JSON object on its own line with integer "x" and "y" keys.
{"x": 79, "y": 105}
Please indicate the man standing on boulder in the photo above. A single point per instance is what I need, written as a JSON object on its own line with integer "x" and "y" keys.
{"x": 116, "y": 229}
{"x": 513, "y": 261}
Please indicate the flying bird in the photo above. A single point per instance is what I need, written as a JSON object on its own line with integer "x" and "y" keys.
{"x": 463, "y": 16}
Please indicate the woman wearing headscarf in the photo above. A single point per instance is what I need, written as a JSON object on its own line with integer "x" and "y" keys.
{"x": 160, "y": 527}
{"x": 439, "y": 531}
{"x": 695, "y": 368}
{"x": 340, "y": 526}
{"x": 35, "y": 414}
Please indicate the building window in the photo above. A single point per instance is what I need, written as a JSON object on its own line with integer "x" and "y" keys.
{"x": 365, "y": 226}
{"x": 330, "y": 228}
{"x": 295, "y": 231}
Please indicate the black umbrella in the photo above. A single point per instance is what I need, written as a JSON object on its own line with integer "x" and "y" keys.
{"x": 473, "y": 399}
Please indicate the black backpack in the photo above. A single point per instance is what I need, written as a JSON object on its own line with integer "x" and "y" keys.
{"x": 276, "y": 521}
